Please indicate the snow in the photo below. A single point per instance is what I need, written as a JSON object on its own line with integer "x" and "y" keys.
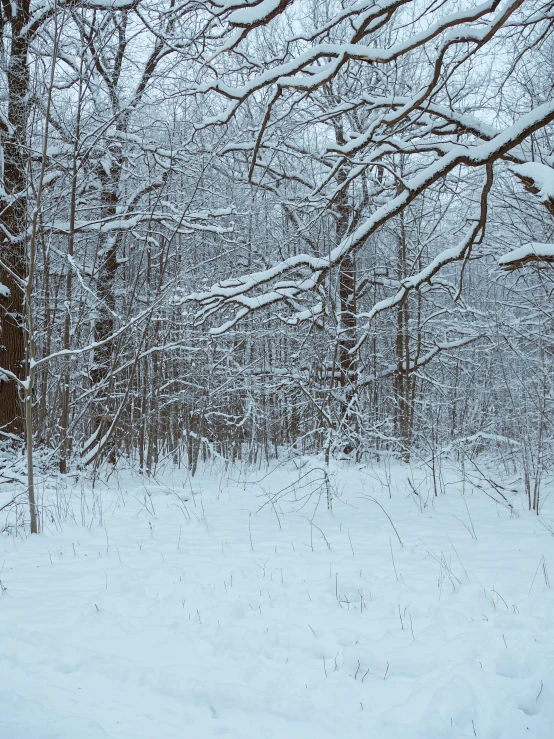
{"x": 542, "y": 176}
{"x": 254, "y": 13}
{"x": 528, "y": 252}
{"x": 460, "y": 154}
{"x": 284, "y": 73}
{"x": 179, "y": 607}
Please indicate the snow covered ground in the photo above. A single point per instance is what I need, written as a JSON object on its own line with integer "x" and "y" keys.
{"x": 178, "y": 608}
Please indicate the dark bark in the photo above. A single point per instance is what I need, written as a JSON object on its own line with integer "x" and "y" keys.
{"x": 13, "y": 220}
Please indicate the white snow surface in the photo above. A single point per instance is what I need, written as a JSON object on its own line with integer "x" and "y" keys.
{"x": 178, "y": 608}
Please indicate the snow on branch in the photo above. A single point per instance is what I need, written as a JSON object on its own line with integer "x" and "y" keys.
{"x": 458, "y": 26}
{"x": 236, "y": 293}
{"x": 526, "y": 254}
{"x": 538, "y": 179}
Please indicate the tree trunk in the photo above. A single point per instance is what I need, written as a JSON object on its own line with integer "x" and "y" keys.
{"x": 13, "y": 219}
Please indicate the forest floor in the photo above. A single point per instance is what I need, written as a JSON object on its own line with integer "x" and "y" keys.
{"x": 233, "y": 605}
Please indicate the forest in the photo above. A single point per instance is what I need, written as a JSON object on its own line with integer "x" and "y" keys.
{"x": 277, "y": 244}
